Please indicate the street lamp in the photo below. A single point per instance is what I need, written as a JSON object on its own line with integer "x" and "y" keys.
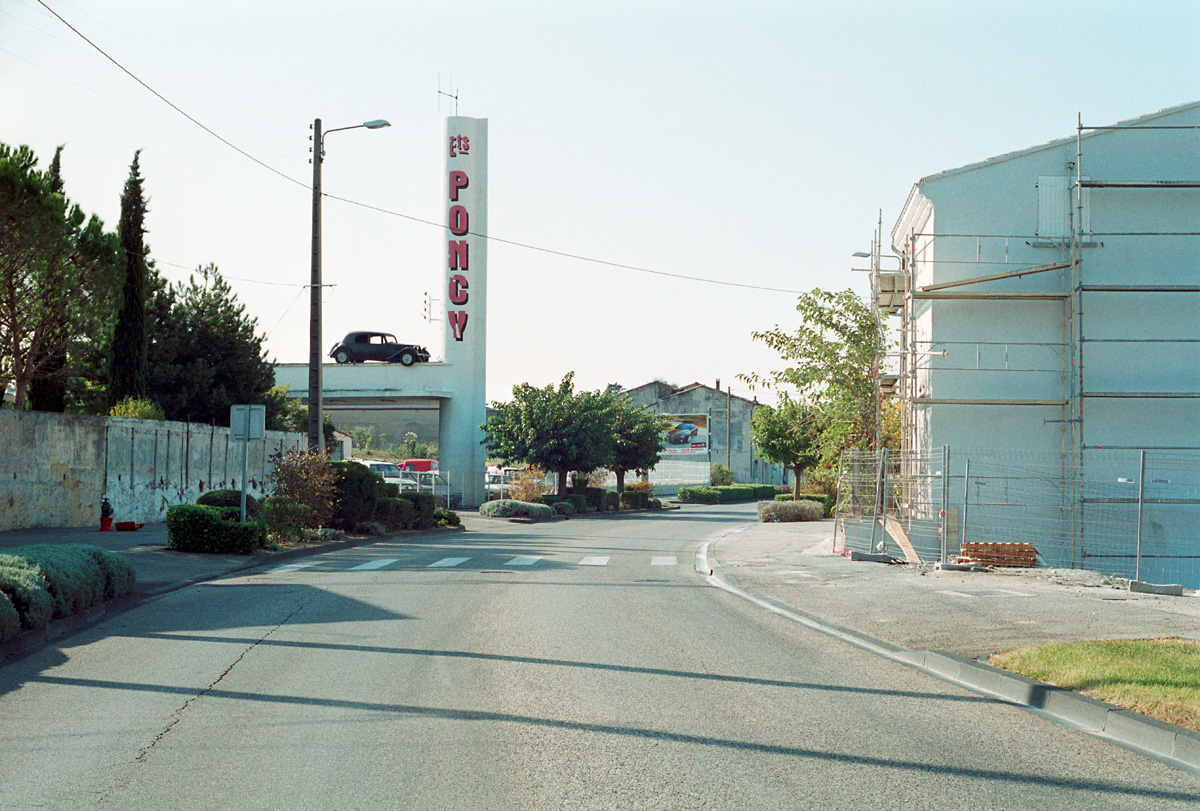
{"x": 315, "y": 433}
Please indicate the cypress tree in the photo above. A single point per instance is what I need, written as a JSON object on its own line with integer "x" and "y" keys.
{"x": 48, "y": 390}
{"x": 129, "y": 364}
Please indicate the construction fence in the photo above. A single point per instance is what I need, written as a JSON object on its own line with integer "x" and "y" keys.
{"x": 1133, "y": 513}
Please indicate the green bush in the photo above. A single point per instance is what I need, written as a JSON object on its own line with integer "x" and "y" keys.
{"x": 612, "y": 500}
{"x": 10, "y": 620}
{"x": 633, "y": 500}
{"x": 654, "y": 504}
{"x": 446, "y": 518}
{"x": 564, "y": 508}
{"x": 76, "y": 576}
{"x": 720, "y": 476}
{"x": 357, "y": 494}
{"x": 372, "y": 528}
{"x": 777, "y": 511}
{"x": 26, "y": 590}
{"x": 395, "y": 513}
{"x": 593, "y": 498}
{"x": 196, "y": 528}
{"x": 722, "y": 495}
{"x": 822, "y": 499}
{"x": 284, "y": 519}
{"x": 389, "y": 490}
{"x": 424, "y": 508}
{"x": 230, "y": 498}
{"x": 511, "y": 508}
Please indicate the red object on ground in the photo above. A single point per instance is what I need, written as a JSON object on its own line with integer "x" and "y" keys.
{"x": 128, "y": 526}
{"x": 106, "y": 523}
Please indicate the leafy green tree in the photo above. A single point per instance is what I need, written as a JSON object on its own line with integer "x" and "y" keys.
{"x": 553, "y": 427}
{"x": 51, "y": 257}
{"x": 637, "y": 438}
{"x": 205, "y": 352}
{"x": 832, "y": 360}
{"x": 137, "y": 408}
{"x": 789, "y": 434}
{"x": 130, "y": 338}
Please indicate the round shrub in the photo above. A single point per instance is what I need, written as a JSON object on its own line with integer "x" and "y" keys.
{"x": 396, "y": 513}
{"x": 10, "y": 621}
{"x": 654, "y": 504}
{"x": 510, "y": 508}
{"x": 446, "y": 518}
{"x": 284, "y": 519}
{"x": 612, "y": 500}
{"x": 25, "y": 590}
{"x": 230, "y": 498}
{"x": 564, "y": 507}
{"x": 195, "y": 528}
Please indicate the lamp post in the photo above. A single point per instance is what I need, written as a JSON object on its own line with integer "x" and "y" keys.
{"x": 315, "y": 433}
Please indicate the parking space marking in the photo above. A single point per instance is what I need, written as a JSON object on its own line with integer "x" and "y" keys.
{"x": 523, "y": 560}
{"x": 594, "y": 561}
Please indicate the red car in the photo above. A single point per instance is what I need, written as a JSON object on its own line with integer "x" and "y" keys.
{"x": 682, "y": 432}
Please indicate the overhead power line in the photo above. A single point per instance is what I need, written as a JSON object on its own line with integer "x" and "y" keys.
{"x": 389, "y": 212}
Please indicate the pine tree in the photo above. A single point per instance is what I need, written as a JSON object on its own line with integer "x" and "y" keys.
{"x": 48, "y": 390}
{"x": 129, "y": 362}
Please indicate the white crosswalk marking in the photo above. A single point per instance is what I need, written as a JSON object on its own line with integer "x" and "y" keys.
{"x": 524, "y": 560}
{"x": 376, "y": 564}
{"x": 664, "y": 560}
{"x": 594, "y": 561}
{"x": 293, "y": 567}
{"x": 446, "y": 562}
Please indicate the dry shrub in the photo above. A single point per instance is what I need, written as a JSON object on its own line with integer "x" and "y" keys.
{"x": 640, "y": 487}
{"x": 528, "y": 485}
{"x": 301, "y": 477}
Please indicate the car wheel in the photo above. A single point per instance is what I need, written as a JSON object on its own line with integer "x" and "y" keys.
{"x": 342, "y": 356}
{"x": 407, "y": 358}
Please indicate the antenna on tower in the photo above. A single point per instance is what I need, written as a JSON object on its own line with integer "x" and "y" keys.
{"x": 441, "y": 93}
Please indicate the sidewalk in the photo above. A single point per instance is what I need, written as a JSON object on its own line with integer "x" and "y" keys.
{"x": 948, "y": 623}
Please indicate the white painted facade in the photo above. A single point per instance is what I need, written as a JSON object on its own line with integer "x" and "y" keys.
{"x": 1074, "y": 358}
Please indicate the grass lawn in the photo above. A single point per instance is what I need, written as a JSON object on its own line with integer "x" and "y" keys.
{"x": 1156, "y": 677}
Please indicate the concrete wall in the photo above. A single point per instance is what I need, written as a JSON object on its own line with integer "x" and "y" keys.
{"x": 56, "y": 468}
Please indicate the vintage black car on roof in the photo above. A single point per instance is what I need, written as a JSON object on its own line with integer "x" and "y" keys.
{"x": 357, "y": 347}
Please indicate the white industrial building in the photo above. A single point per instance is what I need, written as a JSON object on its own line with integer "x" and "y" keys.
{"x": 1048, "y": 359}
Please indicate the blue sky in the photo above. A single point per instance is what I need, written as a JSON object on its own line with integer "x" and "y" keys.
{"x": 753, "y": 143}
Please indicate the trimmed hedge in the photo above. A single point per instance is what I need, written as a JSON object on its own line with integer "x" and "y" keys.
{"x": 724, "y": 495}
{"x": 10, "y": 620}
{"x": 511, "y": 508}
{"x": 396, "y": 513}
{"x": 633, "y": 500}
{"x": 825, "y": 501}
{"x": 777, "y": 511}
{"x": 284, "y": 518}
{"x": 425, "y": 507}
{"x": 564, "y": 508}
{"x": 196, "y": 528}
{"x": 47, "y": 581}
{"x": 612, "y": 500}
{"x": 593, "y": 497}
{"x": 230, "y": 498}
{"x": 357, "y": 494}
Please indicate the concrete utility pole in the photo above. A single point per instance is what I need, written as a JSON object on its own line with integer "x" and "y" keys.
{"x": 315, "y": 433}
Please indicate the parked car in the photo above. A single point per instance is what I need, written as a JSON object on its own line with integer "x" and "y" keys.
{"x": 431, "y": 482}
{"x": 497, "y": 482}
{"x": 385, "y": 470}
{"x": 419, "y": 464}
{"x": 682, "y": 432}
{"x": 358, "y": 347}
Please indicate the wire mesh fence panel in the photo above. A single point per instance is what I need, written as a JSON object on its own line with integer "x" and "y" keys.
{"x": 891, "y": 502}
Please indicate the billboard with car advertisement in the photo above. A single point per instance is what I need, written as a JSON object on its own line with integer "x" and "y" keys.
{"x": 685, "y": 434}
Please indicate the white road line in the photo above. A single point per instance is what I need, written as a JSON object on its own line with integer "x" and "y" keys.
{"x": 1014, "y": 593}
{"x": 595, "y": 561}
{"x": 955, "y": 593}
{"x": 293, "y": 567}
{"x": 664, "y": 560}
{"x": 523, "y": 560}
{"x": 375, "y": 564}
{"x": 446, "y": 562}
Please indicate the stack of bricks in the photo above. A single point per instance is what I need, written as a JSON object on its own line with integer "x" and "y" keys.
{"x": 1021, "y": 555}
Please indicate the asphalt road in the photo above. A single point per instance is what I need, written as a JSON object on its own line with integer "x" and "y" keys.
{"x": 580, "y": 665}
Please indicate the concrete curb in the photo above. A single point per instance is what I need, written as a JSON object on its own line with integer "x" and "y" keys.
{"x": 30, "y": 640}
{"x": 1147, "y": 736}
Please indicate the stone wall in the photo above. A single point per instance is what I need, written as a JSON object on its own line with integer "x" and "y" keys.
{"x": 56, "y": 468}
